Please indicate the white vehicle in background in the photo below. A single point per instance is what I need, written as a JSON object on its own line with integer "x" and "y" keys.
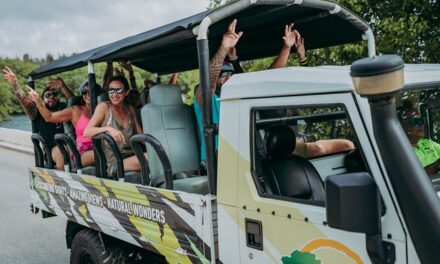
{"x": 258, "y": 203}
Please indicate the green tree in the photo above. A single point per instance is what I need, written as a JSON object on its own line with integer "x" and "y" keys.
{"x": 298, "y": 257}
{"x": 408, "y": 28}
{"x": 8, "y": 102}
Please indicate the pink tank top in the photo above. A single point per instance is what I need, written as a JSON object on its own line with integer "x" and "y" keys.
{"x": 79, "y": 130}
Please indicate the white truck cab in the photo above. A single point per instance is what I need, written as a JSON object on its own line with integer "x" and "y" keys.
{"x": 263, "y": 197}
{"x": 247, "y": 201}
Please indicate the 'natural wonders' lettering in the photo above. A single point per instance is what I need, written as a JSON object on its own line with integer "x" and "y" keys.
{"x": 122, "y": 206}
{"x": 138, "y": 210}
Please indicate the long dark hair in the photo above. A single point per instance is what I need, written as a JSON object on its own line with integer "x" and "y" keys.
{"x": 121, "y": 79}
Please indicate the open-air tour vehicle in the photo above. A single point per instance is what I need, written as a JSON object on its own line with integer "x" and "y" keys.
{"x": 257, "y": 203}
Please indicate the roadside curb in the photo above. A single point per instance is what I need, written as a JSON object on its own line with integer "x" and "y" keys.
{"x": 15, "y": 139}
{"x": 22, "y": 149}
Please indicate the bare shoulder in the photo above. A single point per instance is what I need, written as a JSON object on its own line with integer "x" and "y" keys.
{"x": 102, "y": 107}
{"x": 74, "y": 108}
{"x": 100, "y": 114}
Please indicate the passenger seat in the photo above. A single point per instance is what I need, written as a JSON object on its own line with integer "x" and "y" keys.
{"x": 70, "y": 145}
{"x": 172, "y": 123}
{"x": 69, "y": 129}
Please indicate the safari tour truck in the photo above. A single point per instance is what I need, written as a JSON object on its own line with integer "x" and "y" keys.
{"x": 255, "y": 202}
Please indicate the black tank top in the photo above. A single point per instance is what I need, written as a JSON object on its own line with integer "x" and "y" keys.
{"x": 48, "y": 130}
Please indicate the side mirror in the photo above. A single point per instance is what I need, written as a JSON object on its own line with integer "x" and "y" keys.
{"x": 353, "y": 203}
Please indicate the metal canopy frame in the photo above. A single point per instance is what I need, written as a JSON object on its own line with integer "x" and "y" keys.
{"x": 203, "y": 55}
{"x": 171, "y": 48}
{"x": 196, "y": 28}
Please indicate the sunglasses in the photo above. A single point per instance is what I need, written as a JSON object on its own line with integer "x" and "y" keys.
{"x": 115, "y": 90}
{"x": 85, "y": 92}
{"x": 50, "y": 94}
{"x": 415, "y": 122}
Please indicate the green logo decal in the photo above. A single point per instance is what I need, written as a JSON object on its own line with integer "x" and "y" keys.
{"x": 298, "y": 257}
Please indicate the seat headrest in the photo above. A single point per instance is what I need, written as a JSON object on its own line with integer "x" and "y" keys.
{"x": 280, "y": 141}
{"x": 103, "y": 97}
{"x": 166, "y": 94}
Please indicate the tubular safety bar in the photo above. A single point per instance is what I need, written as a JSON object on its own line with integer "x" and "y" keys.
{"x": 42, "y": 158}
{"x": 59, "y": 140}
{"x": 136, "y": 144}
{"x": 63, "y": 141}
{"x": 100, "y": 157}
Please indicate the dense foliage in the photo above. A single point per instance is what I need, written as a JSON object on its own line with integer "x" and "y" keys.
{"x": 409, "y": 28}
{"x": 9, "y": 104}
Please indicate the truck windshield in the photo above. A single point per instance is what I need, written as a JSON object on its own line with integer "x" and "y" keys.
{"x": 419, "y": 114}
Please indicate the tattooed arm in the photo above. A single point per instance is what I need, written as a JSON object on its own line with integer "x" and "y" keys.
{"x": 230, "y": 39}
{"x": 28, "y": 106}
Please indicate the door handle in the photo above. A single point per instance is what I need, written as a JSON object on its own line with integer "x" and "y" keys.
{"x": 254, "y": 234}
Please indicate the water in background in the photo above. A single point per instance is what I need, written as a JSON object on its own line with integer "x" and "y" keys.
{"x": 21, "y": 122}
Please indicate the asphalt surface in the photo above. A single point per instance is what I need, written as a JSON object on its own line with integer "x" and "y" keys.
{"x": 24, "y": 237}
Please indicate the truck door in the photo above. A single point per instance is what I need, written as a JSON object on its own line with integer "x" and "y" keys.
{"x": 281, "y": 205}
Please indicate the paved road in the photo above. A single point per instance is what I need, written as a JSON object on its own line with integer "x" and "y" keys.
{"x": 24, "y": 237}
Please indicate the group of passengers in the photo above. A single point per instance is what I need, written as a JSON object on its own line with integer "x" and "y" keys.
{"x": 221, "y": 71}
{"x": 114, "y": 117}
{"x": 118, "y": 116}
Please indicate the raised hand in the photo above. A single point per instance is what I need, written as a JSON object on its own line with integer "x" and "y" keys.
{"x": 290, "y": 36}
{"x": 300, "y": 48}
{"x": 33, "y": 95}
{"x": 9, "y": 76}
{"x": 56, "y": 83}
{"x": 126, "y": 64}
{"x": 230, "y": 38}
{"x": 118, "y": 72}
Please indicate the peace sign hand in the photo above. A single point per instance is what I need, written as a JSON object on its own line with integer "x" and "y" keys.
{"x": 230, "y": 38}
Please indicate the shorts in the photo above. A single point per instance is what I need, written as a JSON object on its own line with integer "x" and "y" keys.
{"x": 82, "y": 147}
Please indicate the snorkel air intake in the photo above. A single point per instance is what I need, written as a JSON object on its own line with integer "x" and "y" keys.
{"x": 379, "y": 79}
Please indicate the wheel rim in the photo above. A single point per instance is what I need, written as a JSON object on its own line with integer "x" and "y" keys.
{"x": 86, "y": 258}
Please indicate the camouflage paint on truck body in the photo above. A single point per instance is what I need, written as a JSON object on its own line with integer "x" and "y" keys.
{"x": 169, "y": 223}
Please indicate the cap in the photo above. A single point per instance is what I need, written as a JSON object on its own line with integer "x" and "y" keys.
{"x": 227, "y": 67}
